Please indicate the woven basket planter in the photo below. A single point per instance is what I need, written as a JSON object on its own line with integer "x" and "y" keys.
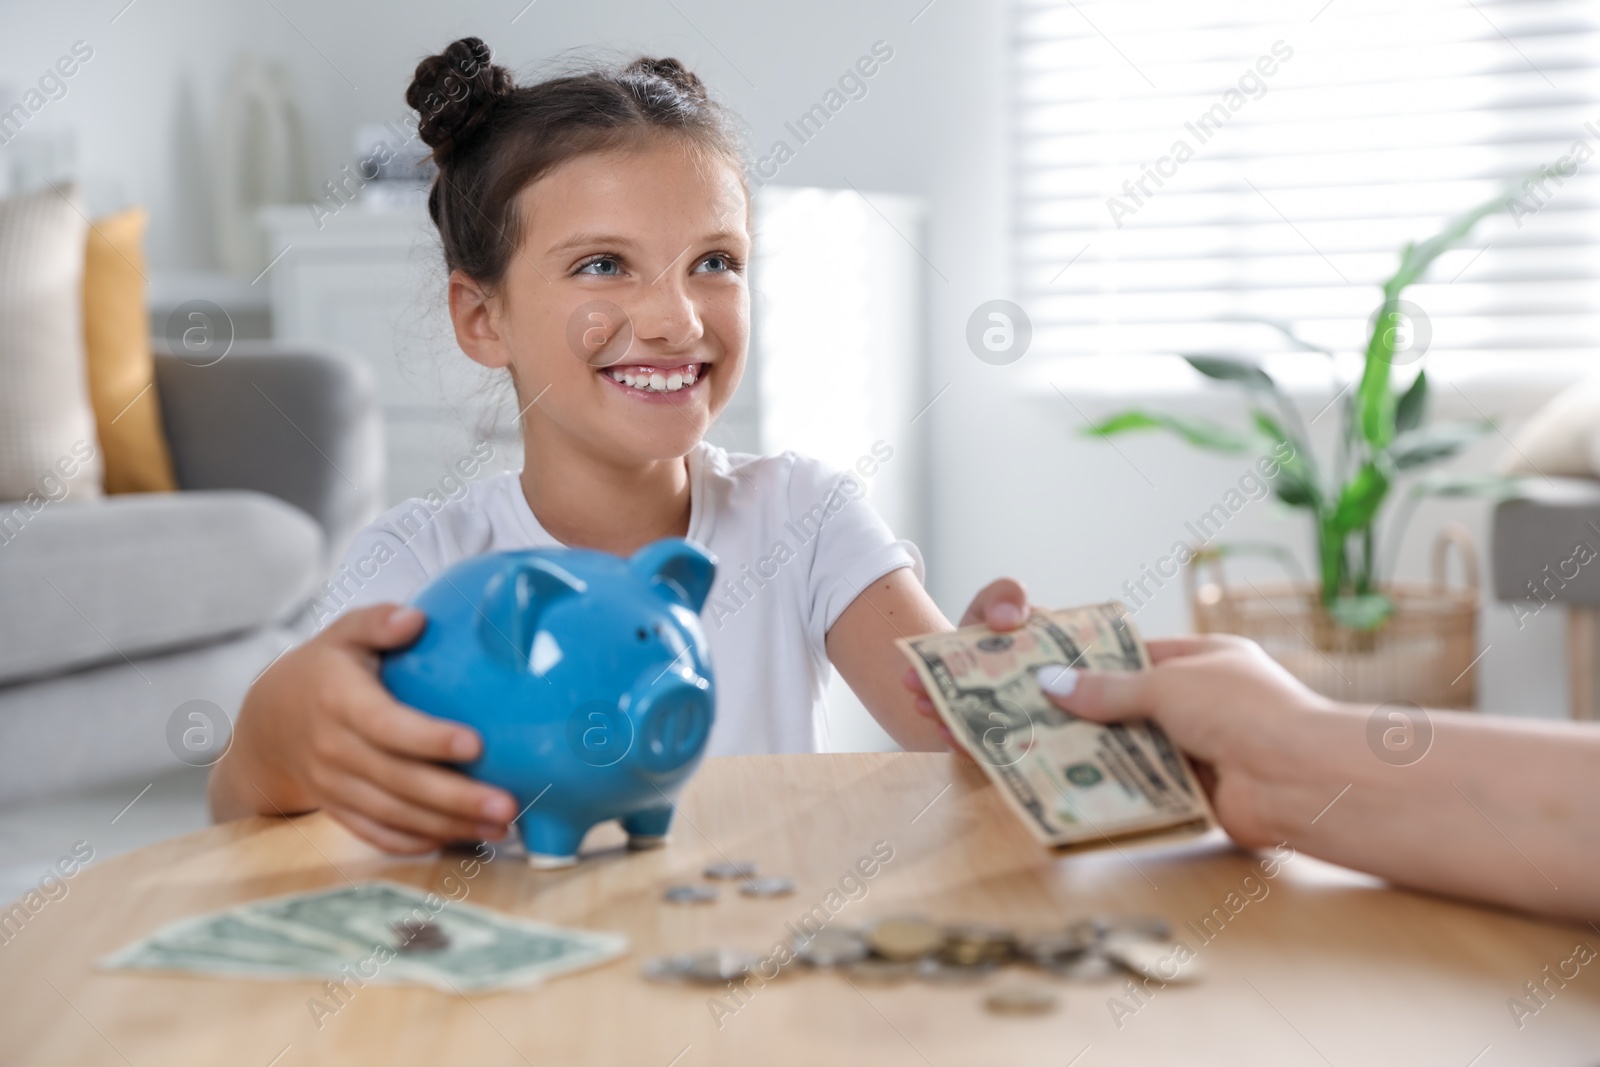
{"x": 1425, "y": 654}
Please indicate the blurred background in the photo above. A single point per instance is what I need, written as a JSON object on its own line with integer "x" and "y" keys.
{"x": 983, "y": 227}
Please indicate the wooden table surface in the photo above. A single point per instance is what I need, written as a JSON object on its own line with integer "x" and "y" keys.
{"x": 1315, "y": 966}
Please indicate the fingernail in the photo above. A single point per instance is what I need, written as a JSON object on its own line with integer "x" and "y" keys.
{"x": 498, "y": 808}
{"x": 404, "y": 616}
{"x": 1005, "y": 615}
{"x": 1057, "y": 680}
{"x": 910, "y": 678}
{"x": 464, "y": 746}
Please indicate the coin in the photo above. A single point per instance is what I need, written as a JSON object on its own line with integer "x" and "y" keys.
{"x": 878, "y": 971}
{"x": 1050, "y": 945}
{"x": 731, "y": 870}
{"x": 767, "y": 887}
{"x": 830, "y": 947}
{"x": 970, "y": 943}
{"x": 1021, "y": 1000}
{"x": 904, "y": 938}
{"x": 715, "y": 966}
{"x": 1086, "y": 966}
{"x": 1163, "y": 962}
{"x": 1152, "y": 927}
{"x": 689, "y": 894}
{"x": 933, "y": 969}
{"x": 671, "y": 968}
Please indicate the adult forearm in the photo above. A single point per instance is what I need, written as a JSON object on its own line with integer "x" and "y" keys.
{"x": 1499, "y": 810}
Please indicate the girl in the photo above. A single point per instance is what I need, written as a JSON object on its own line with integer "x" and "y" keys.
{"x": 596, "y": 228}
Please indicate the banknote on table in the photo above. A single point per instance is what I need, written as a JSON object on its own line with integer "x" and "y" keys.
{"x": 374, "y": 931}
{"x": 1071, "y": 781}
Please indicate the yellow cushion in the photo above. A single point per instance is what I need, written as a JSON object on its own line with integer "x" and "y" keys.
{"x": 116, "y": 330}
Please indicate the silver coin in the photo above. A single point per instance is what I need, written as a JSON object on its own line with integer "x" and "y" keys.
{"x": 671, "y": 968}
{"x": 731, "y": 870}
{"x": 720, "y": 965}
{"x": 830, "y": 947}
{"x": 767, "y": 887}
{"x": 1164, "y": 962}
{"x": 1150, "y": 927}
{"x": 1089, "y": 966}
{"x": 1049, "y": 946}
{"x": 689, "y": 894}
{"x": 932, "y": 969}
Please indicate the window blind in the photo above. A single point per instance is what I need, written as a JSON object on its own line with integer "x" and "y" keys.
{"x": 1182, "y": 169}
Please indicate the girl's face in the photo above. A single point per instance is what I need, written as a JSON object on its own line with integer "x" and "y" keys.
{"x": 624, "y": 315}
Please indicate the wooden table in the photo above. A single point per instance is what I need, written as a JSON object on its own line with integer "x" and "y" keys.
{"x": 1322, "y": 967}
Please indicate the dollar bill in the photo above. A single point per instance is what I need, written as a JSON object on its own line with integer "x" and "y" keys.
{"x": 1071, "y": 781}
{"x": 373, "y": 930}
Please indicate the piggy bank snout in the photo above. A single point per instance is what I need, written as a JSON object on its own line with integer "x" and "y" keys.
{"x": 672, "y": 721}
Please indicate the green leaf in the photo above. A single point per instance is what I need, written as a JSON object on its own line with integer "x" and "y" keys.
{"x": 1413, "y": 405}
{"x": 1362, "y": 497}
{"x": 1433, "y": 443}
{"x": 1374, "y": 398}
{"x": 1232, "y": 369}
{"x": 1293, "y": 483}
{"x": 1367, "y": 612}
{"x": 1198, "y": 432}
{"x": 1493, "y": 486}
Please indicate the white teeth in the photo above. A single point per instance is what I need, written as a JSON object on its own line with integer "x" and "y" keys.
{"x": 658, "y": 381}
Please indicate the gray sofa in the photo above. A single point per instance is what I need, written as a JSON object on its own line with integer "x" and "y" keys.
{"x": 118, "y": 610}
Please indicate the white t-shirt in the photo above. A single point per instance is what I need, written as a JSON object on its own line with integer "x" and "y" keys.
{"x": 795, "y": 543}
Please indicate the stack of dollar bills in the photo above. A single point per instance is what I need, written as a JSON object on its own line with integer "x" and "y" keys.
{"x": 372, "y": 932}
{"x": 1071, "y": 781}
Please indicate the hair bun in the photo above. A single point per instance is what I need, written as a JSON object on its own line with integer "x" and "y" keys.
{"x": 670, "y": 70}
{"x": 454, "y": 92}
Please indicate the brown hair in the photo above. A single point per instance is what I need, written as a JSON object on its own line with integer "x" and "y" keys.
{"x": 491, "y": 137}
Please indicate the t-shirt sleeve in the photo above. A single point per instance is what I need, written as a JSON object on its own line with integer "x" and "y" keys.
{"x": 379, "y": 567}
{"x": 852, "y": 546}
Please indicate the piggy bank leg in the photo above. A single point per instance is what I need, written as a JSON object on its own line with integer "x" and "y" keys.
{"x": 551, "y": 842}
{"x": 647, "y": 829}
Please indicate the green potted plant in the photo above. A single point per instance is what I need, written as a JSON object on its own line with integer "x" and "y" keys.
{"x": 1385, "y": 438}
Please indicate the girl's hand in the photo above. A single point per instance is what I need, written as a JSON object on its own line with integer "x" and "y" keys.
{"x": 1001, "y": 605}
{"x": 1222, "y": 700}
{"x": 319, "y": 730}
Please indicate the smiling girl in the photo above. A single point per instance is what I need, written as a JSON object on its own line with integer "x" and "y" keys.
{"x": 597, "y": 229}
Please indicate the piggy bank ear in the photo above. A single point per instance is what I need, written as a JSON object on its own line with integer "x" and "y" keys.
{"x": 513, "y": 600}
{"x": 679, "y": 570}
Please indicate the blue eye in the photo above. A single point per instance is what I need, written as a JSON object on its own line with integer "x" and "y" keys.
{"x": 716, "y": 264}
{"x": 603, "y": 267}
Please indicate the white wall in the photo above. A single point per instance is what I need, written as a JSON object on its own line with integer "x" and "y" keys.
{"x": 1013, "y": 489}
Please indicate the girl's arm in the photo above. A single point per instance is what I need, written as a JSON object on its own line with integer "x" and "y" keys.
{"x": 861, "y": 647}
{"x": 318, "y": 730}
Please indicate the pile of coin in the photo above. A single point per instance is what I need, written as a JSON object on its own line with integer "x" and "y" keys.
{"x": 904, "y": 947}
{"x": 743, "y": 871}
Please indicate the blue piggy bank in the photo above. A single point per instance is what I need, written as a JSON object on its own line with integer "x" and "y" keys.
{"x": 587, "y": 675}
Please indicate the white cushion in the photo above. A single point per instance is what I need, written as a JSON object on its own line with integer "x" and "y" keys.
{"x": 48, "y": 446}
{"x": 1561, "y": 439}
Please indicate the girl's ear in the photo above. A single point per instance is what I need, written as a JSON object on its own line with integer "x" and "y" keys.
{"x": 472, "y": 312}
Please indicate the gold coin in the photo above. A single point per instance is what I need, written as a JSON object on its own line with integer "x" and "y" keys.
{"x": 1021, "y": 1000}
{"x": 905, "y": 938}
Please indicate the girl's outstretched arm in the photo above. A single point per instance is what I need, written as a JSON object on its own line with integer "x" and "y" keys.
{"x": 861, "y": 647}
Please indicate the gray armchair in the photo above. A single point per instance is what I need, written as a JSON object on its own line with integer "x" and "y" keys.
{"x": 1545, "y": 547}
{"x": 120, "y": 609}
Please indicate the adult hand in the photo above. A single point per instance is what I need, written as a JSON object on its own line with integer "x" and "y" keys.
{"x": 1221, "y": 699}
{"x": 319, "y": 730}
